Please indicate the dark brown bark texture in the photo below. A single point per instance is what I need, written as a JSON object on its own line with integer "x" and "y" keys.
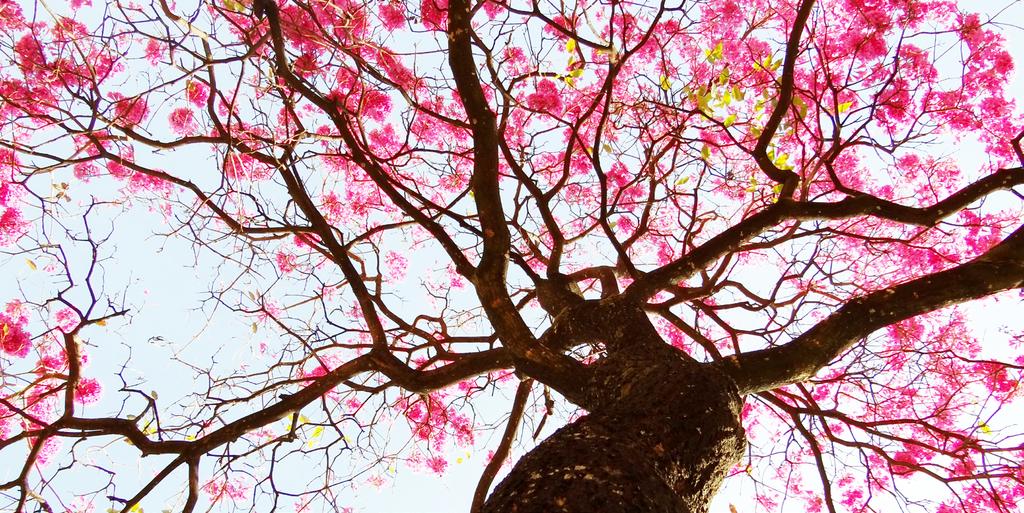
{"x": 661, "y": 434}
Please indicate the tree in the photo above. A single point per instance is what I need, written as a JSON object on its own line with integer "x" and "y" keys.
{"x": 738, "y": 236}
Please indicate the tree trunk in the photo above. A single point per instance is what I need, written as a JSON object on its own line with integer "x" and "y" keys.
{"x": 661, "y": 434}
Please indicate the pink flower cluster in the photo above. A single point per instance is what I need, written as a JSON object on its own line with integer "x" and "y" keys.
{"x": 12, "y": 226}
{"x": 223, "y": 488}
{"x": 545, "y": 98}
{"x": 14, "y": 340}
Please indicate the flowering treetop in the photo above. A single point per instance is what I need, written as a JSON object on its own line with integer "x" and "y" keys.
{"x": 409, "y": 204}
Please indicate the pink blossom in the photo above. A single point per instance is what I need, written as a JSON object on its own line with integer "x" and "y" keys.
{"x": 197, "y": 93}
{"x": 437, "y": 464}
{"x": 397, "y": 264}
{"x": 243, "y": 167}
{"x": 30, "y": 54}
{"x": 434, "y": 13}
{"x": 48, "y": 450}
{"x": 285, "y": 262}
{"x": 67, "y": 320}
{"x": 154, "y": 51}
{"x": 13, "y": 338}
{"x": 11, "y": 17}
{"x": 546, "y": 98}
{"x": 333, "y": 208}
{"x": 182, "y": 121}
{"x": 376, "y": 105}
{"x": 52, "y": 362}
{"x": 222, "y": 488}
{"x": 391, "y": 15}
{"x": 129, "y": 111}
{"x": 87, "y": 391}
{"x": 12, "y": 227}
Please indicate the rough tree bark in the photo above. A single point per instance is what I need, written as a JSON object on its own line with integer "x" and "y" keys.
{"x": 661, "y": 433}
{"x": 662, "y": 442}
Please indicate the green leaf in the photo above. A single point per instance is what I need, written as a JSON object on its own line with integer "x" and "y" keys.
{"x": 683, "y": 180}
{"x": 737, "y": 93}
{"x": 705, "y": 152}
{"x": 730, "y": 120}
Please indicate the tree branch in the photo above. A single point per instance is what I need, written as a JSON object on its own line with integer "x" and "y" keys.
{"x": 998, "y": 269}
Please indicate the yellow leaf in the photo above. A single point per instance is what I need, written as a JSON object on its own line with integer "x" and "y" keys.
{"x": 101, "y": 322}
{"x": 726, "y": 97}
{"x": 570, "y": 46}
{"x": 31, "y": 264}
{"x": 845, "y": 106}
{"x": 730, "y": 120}
{"x": 753, "y": 184}
{"x": 705, "y": 152}
{"x": 234, "y": 5}
{"x": 683, "y": 180}
{"x": 714, "y": 54}
{"x": 255, "y": 327}
{"x": 984, "y": 428}
{"x": 781, "y": 161}
{"x": 665, "y": 84}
